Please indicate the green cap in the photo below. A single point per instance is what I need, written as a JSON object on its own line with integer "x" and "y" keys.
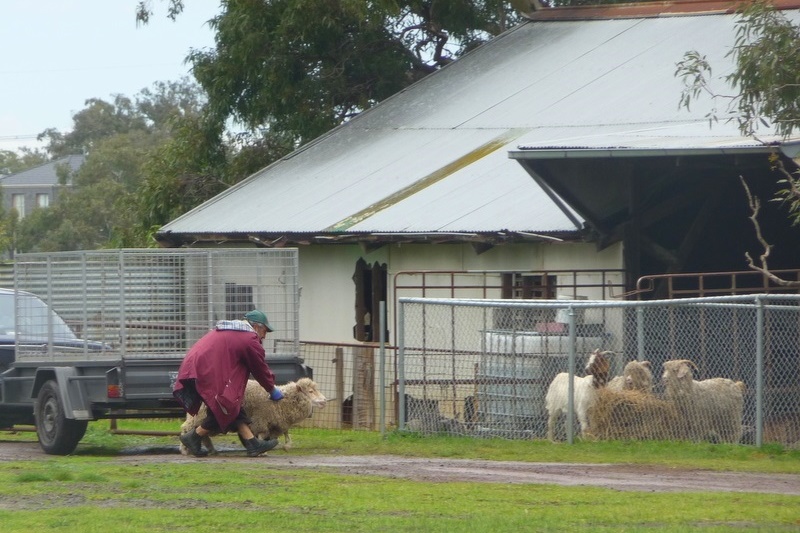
{"x": 258, "y": 316}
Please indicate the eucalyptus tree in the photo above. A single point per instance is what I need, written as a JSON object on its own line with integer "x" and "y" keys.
{"x": 301, "y": 67}
{"x": 101, "y": 207}
{"x": 12, "y": 162}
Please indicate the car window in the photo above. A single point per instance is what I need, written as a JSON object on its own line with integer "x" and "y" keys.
{"x": 33, "y": 319}
{"x": 6, "y": 314}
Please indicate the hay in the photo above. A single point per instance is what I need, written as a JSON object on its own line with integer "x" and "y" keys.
{"x": 633, "y": 415}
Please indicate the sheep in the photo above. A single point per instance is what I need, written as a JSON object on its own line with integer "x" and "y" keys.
{"x": 710, "y": 409}
{"x": 585, "y": 388}
{"x": 269, "y": 419}
{"x": 636, "y": 375}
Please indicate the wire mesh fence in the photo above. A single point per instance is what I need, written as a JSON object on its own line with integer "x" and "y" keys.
{"x": 720, "y": 369}
{"x": 359, "y": 396}
{"x": 145, "y": 303}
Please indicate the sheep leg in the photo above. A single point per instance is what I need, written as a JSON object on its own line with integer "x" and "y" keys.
{"x": 186, "y": 427}
{"x": 551, "y": 426}
{"x": 584, "y": 422}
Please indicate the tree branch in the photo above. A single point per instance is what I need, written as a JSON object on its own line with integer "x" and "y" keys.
{"x": 755, "y": 206}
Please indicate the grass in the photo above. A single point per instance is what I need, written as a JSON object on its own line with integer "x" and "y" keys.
{"x": 770, "y": 458}
{"x": 91, "y": 491}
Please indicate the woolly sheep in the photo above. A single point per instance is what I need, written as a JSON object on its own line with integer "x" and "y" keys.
{"x": 269, "y": 419}
{"x": 710, "y": 409}
{"x": 556, "y": 399}
{"x": 636, "y": 375}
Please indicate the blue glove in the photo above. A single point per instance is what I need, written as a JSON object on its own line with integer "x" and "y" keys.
{"x": 276, "y": 395}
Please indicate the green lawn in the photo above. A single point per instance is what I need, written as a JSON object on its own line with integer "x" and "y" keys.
{"x": 92, "y": 491}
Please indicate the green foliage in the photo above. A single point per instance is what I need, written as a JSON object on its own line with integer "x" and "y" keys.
{"x": 183, "y": 172}
{"x": 144, "y": 10}
{"x": 12, "y": 162}
{"x": 301, "y": 67}
{"x": 168, "y": 101}
{"x": 98, "y": 120}
{"x": 89, "y": 215}
{"x": 766, "y": 80}
{"x": 251, "y": 153}
{"x": 101, "y": 209}
{"x": 767, "y": 73}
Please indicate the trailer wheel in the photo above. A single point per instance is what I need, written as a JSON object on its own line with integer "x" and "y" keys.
{"x": 58, "y": 435}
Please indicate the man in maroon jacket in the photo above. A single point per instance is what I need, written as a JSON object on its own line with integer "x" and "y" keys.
{"x": 215, "y": 372}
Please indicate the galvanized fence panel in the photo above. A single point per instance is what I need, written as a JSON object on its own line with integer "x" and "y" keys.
{"x": 484, "y": 367}
{"x": 358, "y": 396}
{"x": 147, "y": 303}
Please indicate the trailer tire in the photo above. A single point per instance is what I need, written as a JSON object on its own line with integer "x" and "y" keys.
{"x": 58, "y": 435}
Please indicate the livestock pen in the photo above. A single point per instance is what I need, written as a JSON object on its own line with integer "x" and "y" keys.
{"x": 460, "y": 373}
{"x": 463, "y": 368}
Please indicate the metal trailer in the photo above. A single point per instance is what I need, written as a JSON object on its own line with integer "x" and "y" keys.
{"x": 101, "y": 334}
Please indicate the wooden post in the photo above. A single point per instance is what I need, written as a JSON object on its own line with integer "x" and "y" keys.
{"x": 339, "y": 361}
{"x": 364, "y": 387}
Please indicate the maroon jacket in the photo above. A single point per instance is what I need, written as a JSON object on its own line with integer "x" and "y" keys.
{"x": 220, "y": 363}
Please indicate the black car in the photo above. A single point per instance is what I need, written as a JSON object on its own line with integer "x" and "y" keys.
{"x": 34, "y": 322}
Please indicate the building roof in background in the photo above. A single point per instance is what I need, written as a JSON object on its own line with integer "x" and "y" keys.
{"x": 433, "y": 160}
{"x": 43, "y": 175}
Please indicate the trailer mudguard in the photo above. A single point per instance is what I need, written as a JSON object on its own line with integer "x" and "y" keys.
{"x": 76, "y": 403}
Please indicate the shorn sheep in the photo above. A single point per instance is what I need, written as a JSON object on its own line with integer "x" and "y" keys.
{"x": 710, "y": 409}
{"x": 270, "y": 419}
{"x": 637, "y": 375}
{"x": 585, "y": 390}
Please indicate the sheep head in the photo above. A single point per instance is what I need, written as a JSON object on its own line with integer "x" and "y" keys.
{"x": 309, "y": 387}
{"x": 678, "y": 377}
{"x": 638, "y": 376}
{"x": 599, "y": 366}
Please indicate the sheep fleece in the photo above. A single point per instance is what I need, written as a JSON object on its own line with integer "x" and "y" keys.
{"x": 270, "y": 419}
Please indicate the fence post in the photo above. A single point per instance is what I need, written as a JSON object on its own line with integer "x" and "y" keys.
{"x": 401, "y": 366}
{"x": 759, "y": 371}
{"x": 339, "y": 362}
{"x": 639, "y": 334}
{"x": 382, "y": 366}
{"x": 571, "y": 370}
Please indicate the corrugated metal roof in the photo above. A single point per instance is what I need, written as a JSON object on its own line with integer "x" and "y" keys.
{"x": 43, "y": 175}
{"x": 435, "y": 157}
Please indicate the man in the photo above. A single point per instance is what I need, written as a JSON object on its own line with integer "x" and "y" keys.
{"x": 215, "y": 372}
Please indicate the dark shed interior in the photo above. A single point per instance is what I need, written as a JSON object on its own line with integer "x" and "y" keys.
{"x": 676, "y": 213}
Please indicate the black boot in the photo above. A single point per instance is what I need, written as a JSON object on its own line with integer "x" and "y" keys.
{"x": 256, "y": 446}
{"x": 194, "y": 443}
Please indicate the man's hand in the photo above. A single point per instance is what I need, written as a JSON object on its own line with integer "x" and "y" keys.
{"x": 276, "y": 395}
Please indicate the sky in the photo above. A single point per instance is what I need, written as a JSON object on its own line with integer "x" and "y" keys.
{"x": 59, "y": 53}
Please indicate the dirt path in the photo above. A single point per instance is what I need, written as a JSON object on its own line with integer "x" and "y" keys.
{"x": 614, "y": 476}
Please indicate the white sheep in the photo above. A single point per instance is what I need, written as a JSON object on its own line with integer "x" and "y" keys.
{"x": 710, "y": 409}
{"x": 556, "y": 399}
{"x": 637, "y": 375}
{"x": 270, "y": 419}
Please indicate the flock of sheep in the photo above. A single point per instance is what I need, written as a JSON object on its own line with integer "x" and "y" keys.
{"x": 626, "y": 407}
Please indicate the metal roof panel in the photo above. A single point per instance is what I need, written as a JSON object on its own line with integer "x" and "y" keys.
{"x": 434, "y": 157}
